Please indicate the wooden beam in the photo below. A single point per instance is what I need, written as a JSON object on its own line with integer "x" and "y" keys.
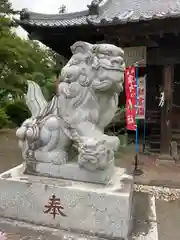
{"x": 126, "y": 32}
{"x": 144, "y": 28}
{"x": 163, "y": 56}
{"x": 166, "y": 110}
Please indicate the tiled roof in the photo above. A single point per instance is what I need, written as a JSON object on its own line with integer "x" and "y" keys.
{"x": 57, "y": 23}
{"x": 53, "y": 20}
{"x": 110, "y": 12}
{"x": 123, "y": 11}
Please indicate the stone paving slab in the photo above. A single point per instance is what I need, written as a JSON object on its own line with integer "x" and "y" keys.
{"x": 15, "y": 230}
{"x": 141, "y": 214}
{"x": 154, "y": 173}
{"x": 145, "y": 220}
{"x": 168, "y": 218}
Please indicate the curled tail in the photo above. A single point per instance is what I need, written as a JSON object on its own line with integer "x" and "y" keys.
{"x": 35, "y": 99}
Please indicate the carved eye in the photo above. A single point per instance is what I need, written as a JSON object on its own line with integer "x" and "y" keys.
{"x": 114, "y": 62}
{"x": 108, "y": 53}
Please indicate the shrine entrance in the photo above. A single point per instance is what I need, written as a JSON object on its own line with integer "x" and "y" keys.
{"x": 176, "y": 106}
{"x": 153, "y": 110}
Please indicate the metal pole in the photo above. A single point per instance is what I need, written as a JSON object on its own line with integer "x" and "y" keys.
{"x": 144, "y": 130}
{"x": 144, "y": 136}
{"x": 137, "y": 170}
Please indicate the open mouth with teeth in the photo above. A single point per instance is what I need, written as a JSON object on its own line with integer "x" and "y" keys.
{"x": 115, "y": 67}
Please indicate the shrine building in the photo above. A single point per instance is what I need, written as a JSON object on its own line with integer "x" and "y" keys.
{"x": 149, "y": 33}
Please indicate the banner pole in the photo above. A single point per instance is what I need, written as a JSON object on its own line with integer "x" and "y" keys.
{"x": 144, "y": 130}
{"x": 137, "y": 170}
{"x": 144, "y": 136}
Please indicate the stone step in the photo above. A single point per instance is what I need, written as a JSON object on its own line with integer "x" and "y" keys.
{"x": 155, "y": 131}
{"x": 176, "y": 136}
{"x": 154, "y": 136}
{"x": 176, "y": 130}
{"x": 155, "y": 150}
{"x": 155, "y": 146}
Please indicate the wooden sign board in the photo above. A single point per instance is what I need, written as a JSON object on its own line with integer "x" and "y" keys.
{"x": 133, "y": 55}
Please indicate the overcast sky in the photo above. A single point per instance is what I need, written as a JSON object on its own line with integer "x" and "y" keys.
{"x": 50, "y": 6}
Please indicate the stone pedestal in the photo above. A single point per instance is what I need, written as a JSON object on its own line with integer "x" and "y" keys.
{"x": 92, "y": 209}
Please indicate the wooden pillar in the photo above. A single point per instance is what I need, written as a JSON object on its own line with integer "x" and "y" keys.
{"x": 166, "y": 110}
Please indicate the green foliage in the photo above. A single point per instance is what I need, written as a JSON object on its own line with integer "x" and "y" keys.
{"x": 63, "y": 9}
{"x": 49, "y": 89}
{"x": 4, "y": 119}
{"x": 6, "y": 7}
{"x": 118, "y": 123}
{"x": 17, "y": 112}
{"x": 22, "y": 60}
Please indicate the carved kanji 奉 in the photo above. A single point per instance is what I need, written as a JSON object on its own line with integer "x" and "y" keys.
{"x": 54, "y": 207}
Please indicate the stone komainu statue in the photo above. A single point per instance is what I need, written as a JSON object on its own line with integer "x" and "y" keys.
{"x": 85, "y": 103}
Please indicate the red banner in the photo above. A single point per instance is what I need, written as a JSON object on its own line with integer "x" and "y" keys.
{"x": 130, "y": 87}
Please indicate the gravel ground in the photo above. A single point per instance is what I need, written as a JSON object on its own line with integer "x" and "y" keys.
{"x": 160, "y": 193}
{"x": 167, "y": 210}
